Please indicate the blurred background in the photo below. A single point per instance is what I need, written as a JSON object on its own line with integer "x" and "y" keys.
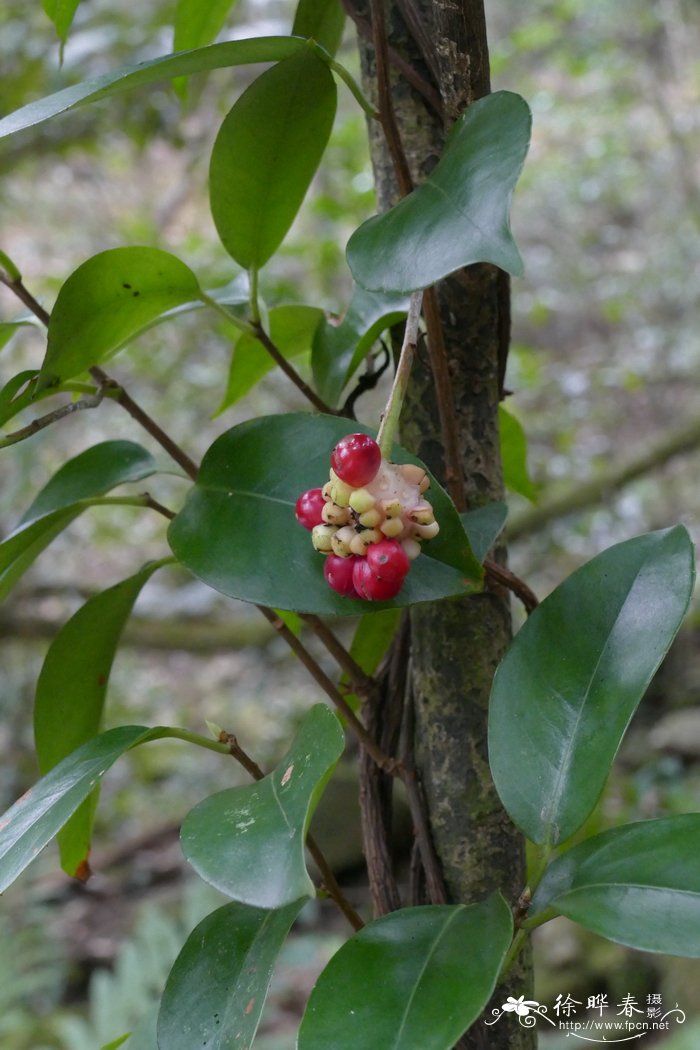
{"x": 604, "y": 377}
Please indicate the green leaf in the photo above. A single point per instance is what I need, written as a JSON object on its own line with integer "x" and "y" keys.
{"x": 291, "y": 329}
{"x": 460, "y": 214}
{"x": 247, "y": 487}
{"x": 61, "y": 13}
{"x": 372, "y": 638}
{"x": 248, "y": 842}
{"x": 412, "y": 980}
{"x": 638, "y": 885}
{"x": 17, "y": 394}
{"x": 42, "y": 811}
{"x": 198, "y": 23}
{"x": 568, "y": 686}
{"x": 71, "y": 693}
{"x": 339, "y": 349}
{"x": 216, "y": 990}
{"x": 67, "y": 494}
{"x": 9, "y": 328}
{"x": 106, "y": 301}
{"x": 116, "y": 1042}
{"x": 483, "y": 527}
{"x": 266, "y": 153}
{"x": 215, "y": 56}
{"x": 322, "y": 21}
{"x": 514, "y": 455}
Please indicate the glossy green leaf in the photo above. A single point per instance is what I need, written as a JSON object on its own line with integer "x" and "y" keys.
{"x": 106, "y": 301}
{"x": 514, "y": 455}
{"x": 266, "y": 154}
{"x": 291, "y": 329}
{"x": 202, "y": 59}
{"x": 67, "y": 494}
{"x": 198, "y": 23}
{"x": 373, "y": 637}
{"x": 42, "y": 811}
{"x": 322, "y": 21}
{"x": 248, "y": 842}
{"x": 638, "y": 885}
{"x": 483, "y": 526}
{"x": 217, "y": 988}
{"x": 248, "y": 485}
{"x": 61, "y": 13}
{"x": 71, "y": 692}
{"x": 460, "y": 214}
{"x": 568, "y": 686}
{"x": 413, "y": 980}
{"x": 339, "y": 349}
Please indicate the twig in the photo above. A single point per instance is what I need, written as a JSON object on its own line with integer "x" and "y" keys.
{"x": 51, "y": 417}
{"x": 390, "y": 765}
{"x": 16, "y": 285}
{"x": 155, "y": 505}
{"x": 327, "y": 876}
{"x": 386, "y": 110}
{"x": 361, "y": 683}
{"x": 508, "y": 579}
{"x": 291, "y": 373}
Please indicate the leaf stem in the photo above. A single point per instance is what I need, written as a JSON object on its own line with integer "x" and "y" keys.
{"x": 390, "y": 417}
{"x": 345, "y": 75}
{"x": 9, "y": 268}
{"x": 242, "y": 326}
{"x": 253, "y": 286}
{"x": 517, "y": 945}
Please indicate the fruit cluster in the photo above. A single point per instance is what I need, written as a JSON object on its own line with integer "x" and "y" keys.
{"x": 369, "y": 520}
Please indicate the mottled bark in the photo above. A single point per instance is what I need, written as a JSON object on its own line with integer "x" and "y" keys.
{"x": 456, "y": 645}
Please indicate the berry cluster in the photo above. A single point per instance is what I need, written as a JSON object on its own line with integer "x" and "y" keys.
{"x": 369, "y": 520}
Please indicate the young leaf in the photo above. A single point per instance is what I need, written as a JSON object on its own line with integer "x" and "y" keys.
{"x": 106, "y": 301}
{"x": 215, "y": 56}
{"x": 43, "y": 810}
{"x": 17, "y": 394}
{"x": 413, "y": 980}
{"x": 61, "y": 13}
{"x": 339, "y": 350}
{"x": 9, "y": 328}
{"x": 197, "y": 23}
{"x": 322, "y": 20}
{"x": 71, "y": 692}
{"x": 460, "y": 214}
{"x": 514, "y": 455}
{"x": 67, "y": 494}
{"x": 266, "y": 154}
{"x": 217, "y": 988}
{"x": 291, "y": 330}
{"x": 237, "y": 531}
{"x": 483, "y": 526}
{"x": 248, "y": 842}
{"x": 568, "y": 686}
{"x": 638, "y": 885}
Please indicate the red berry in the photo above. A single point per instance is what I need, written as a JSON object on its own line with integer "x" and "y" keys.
{"x": 372, "y": 587}
{"x": 339, "y": 575}
{"x": 388, "y": 560}
{"x": 308, "y": 508}
{"x": 356, "y": 459}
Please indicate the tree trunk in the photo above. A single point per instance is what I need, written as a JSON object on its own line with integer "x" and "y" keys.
{"x": 455, "y": 646}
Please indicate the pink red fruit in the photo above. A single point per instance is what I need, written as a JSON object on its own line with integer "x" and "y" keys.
{"x": 356, "y": 459}
{"x": 388, "y": 560}
{"x": 372, "y": 587}
{"x": 339, "y": 574}
{"x": 309, "y": 507}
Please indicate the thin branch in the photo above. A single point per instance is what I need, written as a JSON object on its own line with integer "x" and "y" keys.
{"x": 439, "y": 364}
{"x": 155, "y": 505}
{"x": 25, "y": 296}
{"x": 431, "y": 96}
{"x": 327, "y": 876}
{"x": 508, "y": 579}
{"x": 361, "y": 683}
{"x": 51, "y": 417}
{"x": 386, "y": 763}
{"x": 291, "y": 373}
{"x": 386, "y": 110}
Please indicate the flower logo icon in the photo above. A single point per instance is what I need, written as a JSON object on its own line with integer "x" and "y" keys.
{"x": 520, "y": 1006}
